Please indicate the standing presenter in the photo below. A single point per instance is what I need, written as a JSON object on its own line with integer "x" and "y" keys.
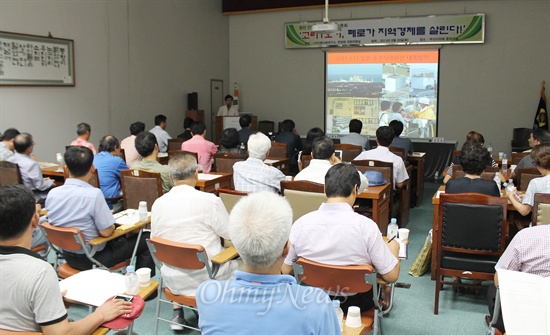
{"x": 228, "y": 109}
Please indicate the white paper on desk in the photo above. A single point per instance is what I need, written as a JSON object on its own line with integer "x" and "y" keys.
{"x": 270, "y": 161}
{"x": 44, "y": 165}
{"x": 129, "y": 216}
{"x": 525, "y": 301}
{"x": 93, "y": 287}
{"x": 204, "y": 176}
{"x": 418, "y": 154}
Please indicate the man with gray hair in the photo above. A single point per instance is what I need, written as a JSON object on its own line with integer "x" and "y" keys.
{"x": 259, "y": 299}
{"x": 253, "y": 175}
{"x": 189, "y": 216}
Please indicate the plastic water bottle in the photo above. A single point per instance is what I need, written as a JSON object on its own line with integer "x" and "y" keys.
{"x": 339, "y": 313}
{"x": 504, "y": 165}
{"x": 392, "y": 228}
{"x": 243, "y": 146}
{"x": 142, "y": 211}
{"x": 436, "y": 176}
{"x": 510, "y": 188}
{"x": 497, "y": 179}
{"x": 131, "y": 280}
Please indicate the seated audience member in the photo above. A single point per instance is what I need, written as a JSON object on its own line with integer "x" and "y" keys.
{"x": 312, "y": 134}
{"x": 84, "y": 131}
{"x": 258, "y": 298}
{"x": 229, "y": 142}
{"x": 322, "y": 159}
{"x": 228, "y": 109}
{"x": 384, "y": 138}
{"x": 129, "y": 143}
{"x": 541, "y": 159}
{"x": 471, "y": 137}
{"x": 147, "y": 147}
{"x": 31, "y": 301}
{"x": 108, "y": 165}
{"x": 160, "y": 133}
{"x": 6, "y": 146}
{"x": 78, "y": 204}
{"x": 31, "y": 173}
{"x": 527, "y": 252}
{"x": 355, "y": 137}
{"x": 400, "y": 142}
{"x": 335, "y": 234}
{"x": 537, "y": 136}
{"x": 204, "y": 148}
{"x": 190, "y": 216}
{"x": 473, "y": 158}
{"x": 186, "y": 135}
{"x": 290, "y": 136}
{"x": 253, "y": 175}
{"x": 245, "y": 132}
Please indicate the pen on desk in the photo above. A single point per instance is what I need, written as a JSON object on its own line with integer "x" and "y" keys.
{"x": 391, "y": 239}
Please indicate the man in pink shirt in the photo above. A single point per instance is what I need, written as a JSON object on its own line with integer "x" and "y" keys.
{"x": 84, "y": 131}
{"x": 204, "y": 148}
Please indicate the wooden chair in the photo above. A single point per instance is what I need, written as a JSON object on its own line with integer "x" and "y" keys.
{"x": 540, "y": 213}
{"x": 72, "y": 239}
{"x": 122, "y": 154}
{"x": 139, "y": 185}
{"x": 9, "y": 174}
{"x": 355, "y": 278}
{"x": 487, "y": 174}
{"x": 278, "y": 150}
{"x": 224, "y": 161}
{"x": 229, "y": 197}
{"x": 172, "y": 153}
{"x": 175, "y": 143}
{"x": 524, "y": 176}
{"x": 304, "y": 196}
{"x": 518, "y": 156}
{"x": 306, "y": 159}
{"x": 183, "y": 256}
{"x": 349, "y": 151}
{"x": 470, "y": 236}
{"x": 399, "y": 152}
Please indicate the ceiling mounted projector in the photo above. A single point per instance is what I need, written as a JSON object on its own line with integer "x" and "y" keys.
{"x": 326, "y": 27}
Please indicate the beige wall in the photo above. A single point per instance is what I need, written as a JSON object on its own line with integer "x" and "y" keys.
{"x": 491, "y": 87}
{"x": 133, "y": 60}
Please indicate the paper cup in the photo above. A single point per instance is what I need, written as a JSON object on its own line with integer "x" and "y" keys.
{"x": 403, "y": 234}
{"x": 353, "y": 320}
{"x": 288, "y": 178}
{"x": 144, "y": 276}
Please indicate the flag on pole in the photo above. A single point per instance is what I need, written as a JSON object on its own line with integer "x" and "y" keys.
{"x": 541, "y": 117}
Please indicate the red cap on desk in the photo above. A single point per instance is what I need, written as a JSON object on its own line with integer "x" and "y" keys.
{"x": 124, "y": 320}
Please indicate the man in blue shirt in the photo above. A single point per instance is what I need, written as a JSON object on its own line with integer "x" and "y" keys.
{"x": 108, "y": 164}
{"x": 259, "y": 300}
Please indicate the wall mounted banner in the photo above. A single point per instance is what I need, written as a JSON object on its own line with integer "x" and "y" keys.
{"x": 418, "y": 30}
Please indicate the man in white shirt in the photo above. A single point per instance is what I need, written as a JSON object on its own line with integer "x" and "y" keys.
{"x": 322, "y": 160}
{"x": 384, "y": 138}
{"x": 129, "y": 143}
{"x": 228, "y": 109}
{"x": 160, "y": 133}
{"x": 190, "y": 216}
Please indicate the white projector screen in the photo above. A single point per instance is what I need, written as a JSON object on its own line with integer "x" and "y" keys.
{"x": 361, "y": 85}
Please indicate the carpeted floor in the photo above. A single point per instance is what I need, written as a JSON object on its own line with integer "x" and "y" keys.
{"x": 413, "y": 307}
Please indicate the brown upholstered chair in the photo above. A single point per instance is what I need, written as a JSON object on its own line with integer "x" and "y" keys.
{"x": 305, "y": 159}
{"x": 9, "y": 174}
{"x": 72, "y": 239}
{"x": 172, "y": 153}
{"x": 303, "y": 196}
{"x": 224, "y": 161}
{"x": 518, "y": 156}
{"x": 175, "y": 143}
{"x": 355, "y": 278}
{"x": 139, "y": 185}
{"x": 470, "y": 236}
{"x": 278, "y": 150}
{"x": 399, "y": 152}
{"x": 487, "y": 174}
{"x": 524, "y": 176}
{"x": 349, "y": 151}
{"x": 541, "y": 209}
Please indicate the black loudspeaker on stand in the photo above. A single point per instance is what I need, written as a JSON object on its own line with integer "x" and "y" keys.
{"x": 192, "y": 100}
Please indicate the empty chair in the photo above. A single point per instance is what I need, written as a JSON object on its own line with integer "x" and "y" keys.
{"x": 229, "y": 197}
{"x": 224, "y": 161}
{"x": 9, "y": 174}
{"x": 304, "y": 196}
{"x": 278, "y": 150}
{"x": 349, "y": 151}
{"x": 139, "y": 185}
{"x": 175, "y": 143}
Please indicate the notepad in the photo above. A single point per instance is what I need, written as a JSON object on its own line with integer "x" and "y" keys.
{"x": 204, "y": 176}
{"x": 93, "y": 287}
{"x": 128, "y": 217}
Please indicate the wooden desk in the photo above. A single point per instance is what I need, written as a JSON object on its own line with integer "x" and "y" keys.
{"x": 380, "y": 196}
{"x": 435, "y": 201}
{"x": 51, "y": 171}
{"x": 282, "y": 164}
{"x": 210, "y": 185}
{"x": 417, "y": 178}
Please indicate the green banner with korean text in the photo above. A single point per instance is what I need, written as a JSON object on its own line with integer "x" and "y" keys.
{"x": 418, "y": 30}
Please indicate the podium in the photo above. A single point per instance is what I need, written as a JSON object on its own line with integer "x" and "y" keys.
{"x": 224, "y": 122}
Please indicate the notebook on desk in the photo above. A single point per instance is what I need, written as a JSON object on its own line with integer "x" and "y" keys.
{"x": 93, "y": 287}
